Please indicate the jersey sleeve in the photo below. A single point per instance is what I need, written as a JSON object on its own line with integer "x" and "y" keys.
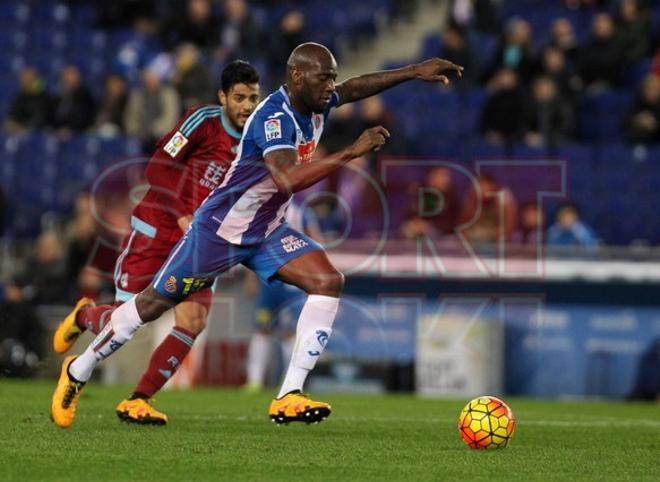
{"x": 334, "y": 100}
{"x": 273, "y": 131}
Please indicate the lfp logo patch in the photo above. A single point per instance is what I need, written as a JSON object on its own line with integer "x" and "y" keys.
{"x": 273, "y": 129}
{"x": 176, "y": 143}
{"x": 170, "y": 284}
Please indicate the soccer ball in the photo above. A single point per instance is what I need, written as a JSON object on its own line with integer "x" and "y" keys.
{"x": 486, "y": 423}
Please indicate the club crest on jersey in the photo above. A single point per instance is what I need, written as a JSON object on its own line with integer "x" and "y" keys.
{"x": 176, "y": 143}
{"x": 273, "y": 129}
{"x": 170, "y": 284}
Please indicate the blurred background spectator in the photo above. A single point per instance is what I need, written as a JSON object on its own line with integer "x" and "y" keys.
{"x": 488, "y": 211}
{"x": 110, "y": 116}
{"x": 642, "y": 123}
{"x": 192, "y": 79}
{"x": 31, "y": 107}
{"x": 599, "y": 59}
{"x": 44, "y": 279}
{"x": 549, "y": 117}
{"x": 194, "y": 22}
{"x": 569, "y": 230}
{"x": 153, "y": 108}
{"x": 21, "y": 334}
{"x": 503, "y": 117}
{"x": 240, "y": 35}
{"x": 634, "y": 29}
{"x": 531, "y": 225}
{"x": 434, "y": 206}
{"x": 562, "y": 36}
{"x": 516, "y": 50}
{"x": 73, "y": 104}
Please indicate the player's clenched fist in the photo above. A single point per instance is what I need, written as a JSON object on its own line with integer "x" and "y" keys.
{"x": 371, "y": 139}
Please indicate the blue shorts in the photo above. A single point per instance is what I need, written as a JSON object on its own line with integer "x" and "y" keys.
{"x": 279, "y": 306}
{"x": 201, "y": 255}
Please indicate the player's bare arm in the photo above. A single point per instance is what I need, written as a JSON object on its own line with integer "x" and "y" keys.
{"x": 290, "y": 176}
{"x": 360, "y": 87}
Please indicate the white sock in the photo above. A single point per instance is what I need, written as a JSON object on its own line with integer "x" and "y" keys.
{"x": 288, "y": 343}
{"x": 258, "y": 356}
{"x": 312, "y": 333}
{"x": 124, "y": 322}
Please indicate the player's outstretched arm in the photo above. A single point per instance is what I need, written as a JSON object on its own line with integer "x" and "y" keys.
{"x": 357, "y": 88}
{"x": 290, "y": 177}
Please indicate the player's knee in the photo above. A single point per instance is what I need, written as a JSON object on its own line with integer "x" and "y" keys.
{"x": 330, "y": 284}
{"x": 191, "y": 316}
{"x": 151, "y": 305}
{"x": 195, "y": 324}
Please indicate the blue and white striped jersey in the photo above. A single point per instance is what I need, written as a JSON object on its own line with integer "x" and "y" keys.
{"x": 248, "y": 206}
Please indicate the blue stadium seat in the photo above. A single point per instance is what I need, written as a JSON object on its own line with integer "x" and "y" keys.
{"x": 600, "y": 115}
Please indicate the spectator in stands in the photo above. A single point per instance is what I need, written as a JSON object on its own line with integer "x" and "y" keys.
{"x": 489, "y": 212}
{"x": 434, "y": 208}
{"x": 30, "y": 108}
{"x": 290, "y": 34}
{"x": 240, "y": 35}
{"x": 642, "y": 123}
{"x": 456, "y": 48}
{"x": 531, "y": 225}
{"x": 152, "y": 110}
{"x": 599, "y": 59}
{"x": 503, "y": 116}
{"x": 562, "y": 36}
{"x": 343, "y": 125}
{"x": 192, "y": 79}
{"x": 549, "y": 117}
{"x": 482, "y": 15}
{"x": 634, "y": 29}
{"x": 80, "y": 236}
{"x": 20, "y": 333}
{"x": 194, "y": 23}
{"x": 110, "y": 116}
{"x": 569, "y": 230}
{"x": 44, "y": 279}
{"x": 516, "y": 50}
{"x": 553, "y": 65}
{"x": 374, "y": 112}
{"x": 73, "y": 106}
{"x": 140, "y": 14}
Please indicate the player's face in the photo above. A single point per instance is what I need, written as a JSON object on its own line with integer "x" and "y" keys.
{"x": 318, "y": 86}
{"x": 239, "y": 103}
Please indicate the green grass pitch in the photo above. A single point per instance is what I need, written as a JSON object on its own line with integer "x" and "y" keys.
{"x": 226, "y": 435}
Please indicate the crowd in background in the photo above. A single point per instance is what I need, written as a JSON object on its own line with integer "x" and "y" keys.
{"x": 536, "y": 78}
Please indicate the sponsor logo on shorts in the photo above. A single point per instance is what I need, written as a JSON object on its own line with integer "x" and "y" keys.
{"x": 123, "y": 281}
{"x": 176, "y": 143}
{"x": 170, "y": 284}
{"x": 273, "y": 129}
{"x": 292, "y": 243}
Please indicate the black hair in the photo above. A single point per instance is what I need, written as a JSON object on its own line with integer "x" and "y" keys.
{"x": 238, "y": 72}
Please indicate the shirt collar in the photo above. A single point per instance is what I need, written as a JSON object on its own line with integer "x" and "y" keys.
{"x": 228, "y": 127}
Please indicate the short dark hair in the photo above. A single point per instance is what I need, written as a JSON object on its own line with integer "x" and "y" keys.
{"x": 238, "y": 72}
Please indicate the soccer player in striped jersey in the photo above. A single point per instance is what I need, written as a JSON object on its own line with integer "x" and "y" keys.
{"x": 242, "y": 222}
{"x": 188, "y": 163}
